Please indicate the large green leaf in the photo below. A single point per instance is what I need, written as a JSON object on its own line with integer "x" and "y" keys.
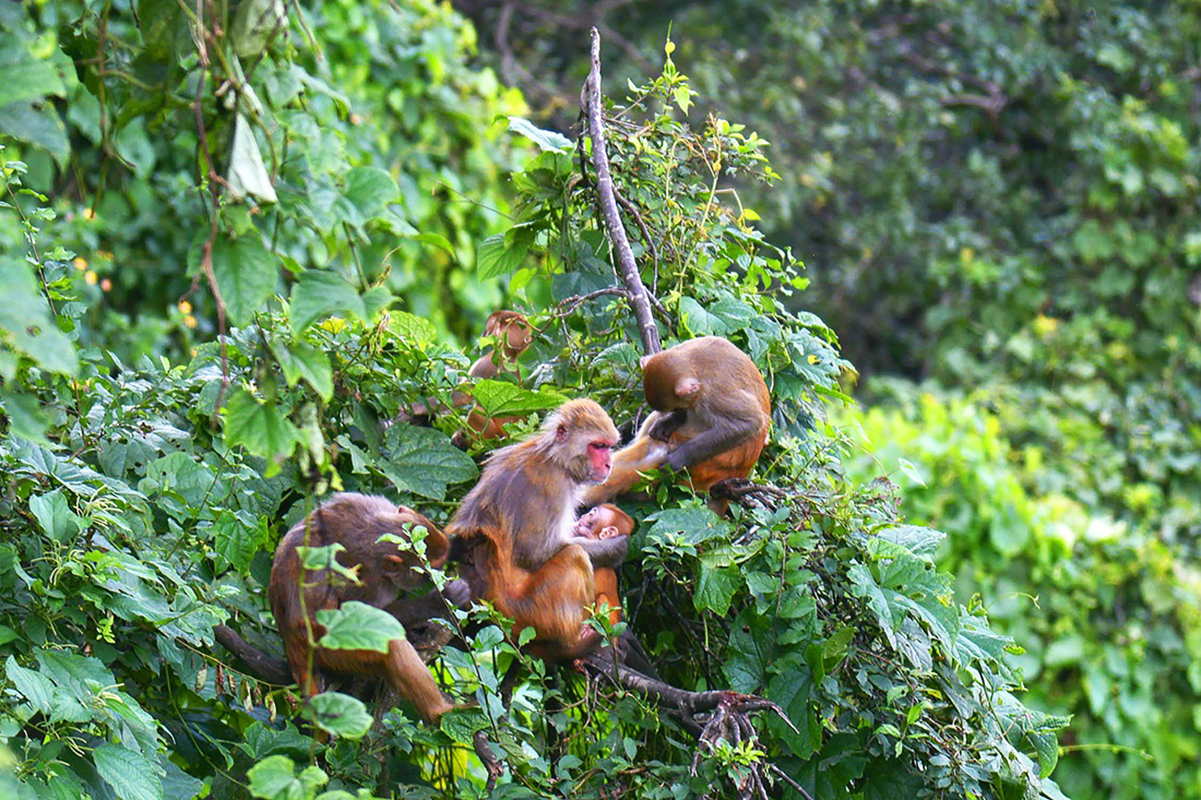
{"x": 504, "y": 399}
{"x": 246, "y": 275}
{"x": 274, "y": 778}
{"x": 358, "y": 626}
{"x": 260, "y": 428}
{"x": 301, "y": 360}
{"x": 321, "y": 294}
{"x": 26, "y": 322}
{"x": 131, "y": 775}
{"x": 423, "y": 461}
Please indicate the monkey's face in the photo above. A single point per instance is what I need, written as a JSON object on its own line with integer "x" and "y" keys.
{"x": 599, "y": 459}
{"x": 591, "y": 522}
{"x": 604, "y": 522}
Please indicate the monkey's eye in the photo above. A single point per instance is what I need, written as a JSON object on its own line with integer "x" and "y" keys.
{"x": 599, "y": 446}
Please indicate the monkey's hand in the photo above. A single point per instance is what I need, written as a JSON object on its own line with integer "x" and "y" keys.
{"x": 667, "y": 424}
{"x": 603, "y": 552}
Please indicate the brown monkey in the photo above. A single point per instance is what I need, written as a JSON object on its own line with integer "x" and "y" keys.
{"x": 606, "y": 522}
{"x": 514, "y": 335}
{"x": 515, "y": 536}
{"x": 356, "y": 521}
{"x": 712, "y": 415}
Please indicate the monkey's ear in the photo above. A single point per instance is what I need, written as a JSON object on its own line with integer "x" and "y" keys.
{"x": 642, "y": 361}
{"x": 687, "y": 387}
{"x": 394, "y": 563}
{"x": 561, "y": 432}
{"x": 608, "y": 532}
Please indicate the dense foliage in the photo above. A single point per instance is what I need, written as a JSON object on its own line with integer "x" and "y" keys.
{"x": 999, "y": 199}
{"x": 148, "y": 465}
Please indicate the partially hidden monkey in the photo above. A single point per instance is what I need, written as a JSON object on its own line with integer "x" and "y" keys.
{"x": 712, "y": 413}
{"x": 513, "y": 334}
{"x": 514, "y": 534}
{"x": 606, "y": 521}
{"x": 356, "y": 521}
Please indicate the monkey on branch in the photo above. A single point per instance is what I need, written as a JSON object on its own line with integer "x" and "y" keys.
{"x": 515, "y": 536}
{"x": 513, "y": 334}
{"x": 712, "y": 414}
{"x": 384, "y": 570}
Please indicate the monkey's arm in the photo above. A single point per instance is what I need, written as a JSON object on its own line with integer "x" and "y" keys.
{"x": 643, "y": 454}
{"x": 723, "y": 435}
{"x": 604, "y": 552}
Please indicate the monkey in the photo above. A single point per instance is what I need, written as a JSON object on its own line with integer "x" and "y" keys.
{"x": 513, "y": 334}
{"x": 514, "y": 337}
{"x": 356, "y": 521}
{"x": 605, "y": 522}
{"x": 514, "y": 534}
{"x": 712, "y": 413}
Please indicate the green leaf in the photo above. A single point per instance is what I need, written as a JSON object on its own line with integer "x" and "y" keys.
{"x": 547, "y": 141}
{"x": 320, "y": 294}
{"x": 697, "y": 524}
{"x": 27, "y": 418}
{"x": 413, "y": 330}
{"x": 273, "y": 778}
{"x": 246, "y": 275}
{"x": 37, "y": 124}
{"x": 37, "y": 688}
{"x": 370, "y": 189}
{"x": 358, "y": 626}
{"x": 922, "y": 542}
{"x": 340, "y": 714}
{"x": 54, "y": 515}
{"x": 700, "y": 322}
{"x": 423, "y": 461}
{"x": 503, "y": 253}
{"x": 715, "y": 589}
{"x": 260, "y": 428}
{"x": 25, "y": 317}
{"x": 26, "y": 77}
{"x": 131, "y": 775}
{"x": 504, "y": 399}
{"x": 236, "y": 540}
{"x": 301, "y": 360}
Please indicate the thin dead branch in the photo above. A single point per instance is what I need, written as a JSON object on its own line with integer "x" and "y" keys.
{"x": 606, "y": 197}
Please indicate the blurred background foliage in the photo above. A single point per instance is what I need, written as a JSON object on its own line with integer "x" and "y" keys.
{"x": 997, "y": 206}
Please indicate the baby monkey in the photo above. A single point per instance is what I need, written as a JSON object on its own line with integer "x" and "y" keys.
{"x": 606, "y": 521}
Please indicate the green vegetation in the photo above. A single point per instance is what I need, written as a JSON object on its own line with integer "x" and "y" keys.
{"x": 231, "y": 253}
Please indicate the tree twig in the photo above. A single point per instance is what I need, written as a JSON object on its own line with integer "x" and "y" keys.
{"x": 711, "y": 715}
{"x": 606, "y": 197}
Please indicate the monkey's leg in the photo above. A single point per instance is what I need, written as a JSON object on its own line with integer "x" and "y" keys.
{"x": 401, "y": 667}
{"x": 552, "y": 601}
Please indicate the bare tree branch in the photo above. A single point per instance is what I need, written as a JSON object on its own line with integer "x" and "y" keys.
{"x": 606, "y": 197}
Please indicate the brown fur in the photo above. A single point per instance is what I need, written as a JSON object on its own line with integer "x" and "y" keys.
{"x": 606, "y": 522}
{"x": 712, "y": 416}
{"x": 514, "y": 533}
{"x": 355, "y": 521}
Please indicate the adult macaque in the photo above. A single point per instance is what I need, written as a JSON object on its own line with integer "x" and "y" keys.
{"x": 514, "y": 535}
{"x": 712, "y": 415}
{"x": 356, "y": 521}
{"x": 606, "y": 521}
